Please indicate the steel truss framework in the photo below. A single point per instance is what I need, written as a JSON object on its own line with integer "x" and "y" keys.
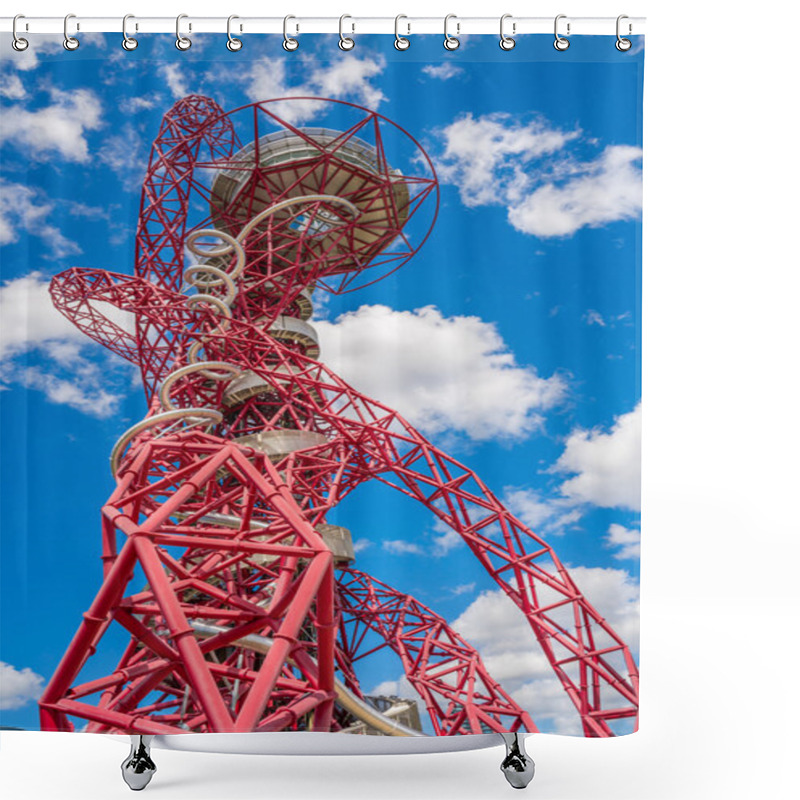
{"x": 245, "y": 619}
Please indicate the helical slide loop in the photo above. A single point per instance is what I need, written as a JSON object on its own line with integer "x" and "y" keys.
{"x": 203, "y": 277}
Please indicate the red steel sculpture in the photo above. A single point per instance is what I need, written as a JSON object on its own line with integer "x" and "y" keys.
{"x": 250, "y": 616}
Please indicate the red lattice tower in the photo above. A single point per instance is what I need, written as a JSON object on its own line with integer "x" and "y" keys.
{"x": 250, "y": 617}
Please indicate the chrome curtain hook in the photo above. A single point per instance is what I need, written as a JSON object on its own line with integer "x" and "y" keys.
{"x": 181, "y": 42}
{"x": 400, "y": 42}
{"x": 70, "y": 42}
{"x": 128, "y": 42}
{"x": 506, "y": 42}
{"x": 345, "y": 42}
{"x": 451, "y": 42}
{"x": 289, "y": 44}
{"x": 233, "y": 44}
{"x": 623, "y": 44}
{"x": 18, "y": 43}
{"x": 560, "y": 43}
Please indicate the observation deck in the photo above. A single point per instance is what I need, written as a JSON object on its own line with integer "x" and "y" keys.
{"x": 317, "y": 161}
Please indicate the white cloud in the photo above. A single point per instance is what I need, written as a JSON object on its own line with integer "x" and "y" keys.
{"x": 18, "y": 686}
{"x": 174, "y": 78}
{"x": 593, "y": 317}
{"x": 442, "y": 72}
{"x": 530, "y": 168}
{"x": 267, "y": 80}
{"x": 29, "y": 322}
{"x": 136, "y": 104}
{"x": 28, "y": 318}
{"x": 58, "y": 129}
{"x": 348, "y": 78}
{"x": 628, "y": 540}
{"x": 443, "y": 373}
{"x": 437, "y": 544}
{"x": 505, "y": 640}
{"x": 21, "y": 209}
{"x": 41, "y": 44}
{"x": 401, "y": 688}
{"x": 488, "y": 157}
{"x": 447, "y": 540}
{"x": 528, "y": 506}
{"x": 608, "y": 465}
{"x": 605, "y": 190}
{"x": 84, "y": 210}
{"x": 615, "y": 594}
{"x": 124, "y": 153}
{"x": 86, "y": 395}
{"x": 543, "y": 515}
{"x": 401, "y": 547}
{"x": 11, "y": 86}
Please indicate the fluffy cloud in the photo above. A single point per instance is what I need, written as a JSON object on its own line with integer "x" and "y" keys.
{"x": 443, "y": 373}
{"x": 28, "y": 318}
{"x": 174, "y": 78}
{"x": 42, "y": 44}
{"x": 85, "y": 394}
{"x": 606, "y": 471}
{"x": 21, "y": 209}
{"x": 545, "y": 515}
{"x": 502, "y": 635}
{"x": 136, "y": 104}
{"x": 605, "y": 190}
{"x": 126, "y": 153}
{"x": 607, "y": 465}
{"x": 489, "y": 158}
{"x": 399, "y": 547}
{"x": 18, "y": 686}
{"x": 531, "y": 169}
{"x": 443, "y": 71}
{"x": 58, "y": 129}
{"x": 628, "y": 540}
{"x": 399, "y": 688}
{"x": 29, "y": 322}
{"x": 11, "y": 86}
{"x": 446, "y": 540}
{"x": 437, "y": 545}
{"x": 348, "y": 78}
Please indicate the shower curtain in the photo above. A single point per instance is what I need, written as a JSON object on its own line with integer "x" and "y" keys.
{"x": 321, "y": 386}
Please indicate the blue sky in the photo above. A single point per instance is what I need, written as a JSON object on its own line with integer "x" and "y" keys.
{"x": 525, "y": 299}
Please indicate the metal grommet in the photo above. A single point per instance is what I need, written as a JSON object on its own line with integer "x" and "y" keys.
{"x": 289, "y": 44}
{"x": 181, "y": 42}
{"x": 400, "y": 42}
{"x": 128, "y": 42}
{"x": 233, "y": 44}
{"x": 560, "y": 43}
{"x": 623, "y": 44}
{"x": 70, "y": 42}
{"x": 451, "y": 42}
{"x": 345, "y": 42}
{"x": 18, "y": 43}
{"x": 506, "y": 42}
